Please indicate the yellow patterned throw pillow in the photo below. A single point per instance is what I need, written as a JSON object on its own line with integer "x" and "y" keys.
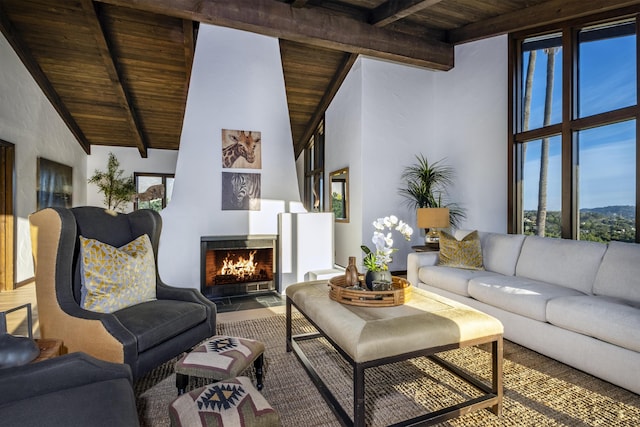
{"x": 465, "y": 253}
{"x": 115, "y": 278}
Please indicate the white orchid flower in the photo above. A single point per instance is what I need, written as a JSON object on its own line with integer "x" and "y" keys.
{"x": 381, "y": 257}
{"x": 405, "y": 230}
{"x": 379, "y": 240}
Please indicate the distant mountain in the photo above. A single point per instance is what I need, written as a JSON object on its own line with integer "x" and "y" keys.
{"x": 623, "y": 211}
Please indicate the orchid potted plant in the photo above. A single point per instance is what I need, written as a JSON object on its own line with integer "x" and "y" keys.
{"x": 377, "y": 261}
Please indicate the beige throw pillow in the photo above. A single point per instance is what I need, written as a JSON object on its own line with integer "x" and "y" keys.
{"x": 465, "y": 253}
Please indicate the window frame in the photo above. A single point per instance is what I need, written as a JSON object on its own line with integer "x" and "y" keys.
{"x": 314, "y": 169}
{"x": 164, "y": 177}
{"x": 569, "y": 125}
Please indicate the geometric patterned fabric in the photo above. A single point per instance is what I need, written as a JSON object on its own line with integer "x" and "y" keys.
{"x": 465, "y": 253}
{"x": 220, "y": 357}
{"x": 115, "y": 278}
{"x": 234, "y": 402}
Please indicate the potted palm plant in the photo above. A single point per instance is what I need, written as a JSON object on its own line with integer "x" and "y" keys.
{"x": 426, "y": 187}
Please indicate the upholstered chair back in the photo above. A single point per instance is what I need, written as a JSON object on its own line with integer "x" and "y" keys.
{"x": 115, "y": 229}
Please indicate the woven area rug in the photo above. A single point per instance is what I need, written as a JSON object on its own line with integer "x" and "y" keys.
{"x": 538, "y": 391}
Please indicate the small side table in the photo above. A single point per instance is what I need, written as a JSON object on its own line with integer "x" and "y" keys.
{"x": 49, "y": 348}
{"x": 429, "y": 247}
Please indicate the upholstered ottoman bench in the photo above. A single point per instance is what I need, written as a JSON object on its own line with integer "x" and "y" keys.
{"x": 367, "y": 337}
{"x": 233, "y": 402}
{"x": 219, "y": 358}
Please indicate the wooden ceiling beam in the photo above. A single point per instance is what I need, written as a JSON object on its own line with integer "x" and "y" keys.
{"x": 96, "y": 26}
{"x": 190, "y": 30}
{"x": 394, "y": 10}
{"x": 18, "y": 45}
{"x": 546, "y": 13}
{"x": 322, "y": 106}
{"x": 306, "y": 25}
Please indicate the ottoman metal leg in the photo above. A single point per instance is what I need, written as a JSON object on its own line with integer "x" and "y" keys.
{"x": 182, "y": 381}
{"x": 258, "y": 364}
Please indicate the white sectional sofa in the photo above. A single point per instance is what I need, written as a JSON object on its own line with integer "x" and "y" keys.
{"x": 577, "y": 302}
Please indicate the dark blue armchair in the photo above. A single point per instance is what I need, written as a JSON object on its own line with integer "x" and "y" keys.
{"x": 144, "y": 335}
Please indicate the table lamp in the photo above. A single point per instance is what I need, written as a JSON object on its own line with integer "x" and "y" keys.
{"x": 431, "y": 219}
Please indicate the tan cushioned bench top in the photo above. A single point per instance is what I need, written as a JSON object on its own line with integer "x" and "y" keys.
{"x": 426, "y": 321}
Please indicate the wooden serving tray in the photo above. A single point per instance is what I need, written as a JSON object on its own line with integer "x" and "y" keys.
{"x": 397, "y": 296}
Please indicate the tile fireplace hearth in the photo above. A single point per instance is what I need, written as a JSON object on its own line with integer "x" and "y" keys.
{"x": 238, "y": 265}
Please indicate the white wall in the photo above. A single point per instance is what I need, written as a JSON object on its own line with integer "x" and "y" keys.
{"x": 386, "y": 113}
{"x": 236, "y": 83}
{"x": 30, "y": 122}
{"x": 343, "y": 131}
{"x": 399, "y": 118}
{"x": 472, "y": 114}
{"x": 157, "y": 161}
{"x": 382, "y": 112}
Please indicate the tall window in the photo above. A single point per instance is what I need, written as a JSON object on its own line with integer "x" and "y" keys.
{"x": 314, "y": 172}
{"x": 153, "y": 190}
{"x": 574, "y": 165}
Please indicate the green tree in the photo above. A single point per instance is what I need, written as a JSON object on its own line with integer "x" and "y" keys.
{"x": 117, "y": 189}
{"x": 337, "y": 204}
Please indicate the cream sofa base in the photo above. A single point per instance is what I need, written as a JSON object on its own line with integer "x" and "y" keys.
{"x": 609, "y": 362}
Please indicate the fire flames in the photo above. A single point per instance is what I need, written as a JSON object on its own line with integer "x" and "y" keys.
{"x": 242, "y": 268}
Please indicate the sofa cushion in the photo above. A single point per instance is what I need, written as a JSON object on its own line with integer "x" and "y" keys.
{"x": 500, "y": 252}
{"x": 619, "y": 272}
{"x": 455, "y": 280}
{"x": 463, "y": 253}
{"x": 609, "y": 319}
{"x": 518, "y": 295}
{"x": 569, "y": 263}
{"x": 157, "y": 321}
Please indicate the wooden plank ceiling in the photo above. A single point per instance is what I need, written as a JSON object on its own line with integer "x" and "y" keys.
{"x": 118, "y": 71}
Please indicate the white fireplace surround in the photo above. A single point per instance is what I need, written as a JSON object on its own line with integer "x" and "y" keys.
{"x": 259, "y": 103}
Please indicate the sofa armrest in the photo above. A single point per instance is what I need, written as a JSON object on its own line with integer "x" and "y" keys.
{"x": 417, "y": 260}
{"x": 63, "y": 372}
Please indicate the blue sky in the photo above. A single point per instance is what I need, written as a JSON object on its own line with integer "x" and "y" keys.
{"x": 606, "y": 155}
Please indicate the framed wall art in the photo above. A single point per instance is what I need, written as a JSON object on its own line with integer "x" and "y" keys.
{"x": 54, "y": 185}
{"x": 241, "y": 191}
{"x": 241, "y": 149}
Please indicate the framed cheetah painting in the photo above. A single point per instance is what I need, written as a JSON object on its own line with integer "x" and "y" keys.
{"x": 241, "y": 149}
{"x": 240, "y": 191}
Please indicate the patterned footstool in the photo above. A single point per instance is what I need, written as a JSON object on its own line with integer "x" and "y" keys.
{"x": 219, "y": 358}
{"x": 234, "y": 402}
